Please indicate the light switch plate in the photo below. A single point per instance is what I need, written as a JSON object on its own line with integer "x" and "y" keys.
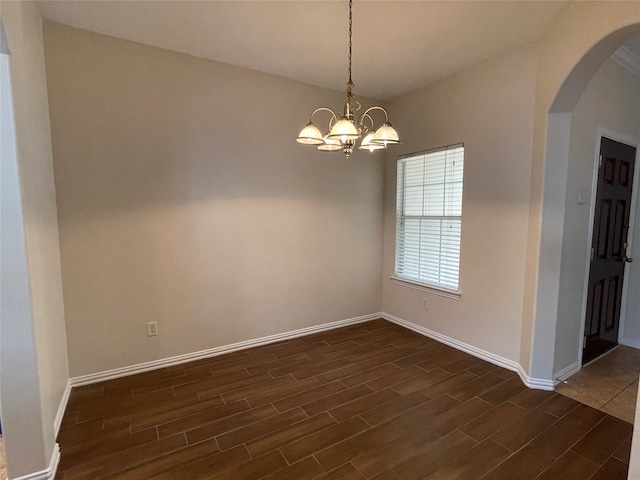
{"x": 583, "y": 196}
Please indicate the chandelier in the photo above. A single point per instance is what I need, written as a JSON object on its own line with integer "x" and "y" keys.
{"x": 344, "y": 131}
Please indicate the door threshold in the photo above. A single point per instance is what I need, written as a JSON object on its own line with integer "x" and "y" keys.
{"x": 600, "y": 356}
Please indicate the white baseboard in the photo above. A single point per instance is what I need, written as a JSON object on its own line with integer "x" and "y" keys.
{"x": 537, "y": 383}
{"x": 470, "y": 349}
{"x": 567, "y": 372}
{"x": 630, "y": 343}
{"x": 214, "y": 352}
{"x": 61, "y": 409}
{"x": 50, "y": 472}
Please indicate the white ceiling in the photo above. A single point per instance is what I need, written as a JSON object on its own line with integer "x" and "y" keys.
{"x": 398, "y": 46}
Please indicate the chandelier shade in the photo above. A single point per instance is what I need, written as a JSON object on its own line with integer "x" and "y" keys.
{"x": 330, "y": 145}
{"x": 310, "y": 135}
{"x": 344, "y": 131}
{"x": 386, "y": 135}
{"x": 368, "y": 144}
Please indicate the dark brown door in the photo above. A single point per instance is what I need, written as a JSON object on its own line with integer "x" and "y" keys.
{"x": 608, "y": 253}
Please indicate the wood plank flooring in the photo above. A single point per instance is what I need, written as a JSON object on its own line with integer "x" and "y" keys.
{"x": 369, "y": 401}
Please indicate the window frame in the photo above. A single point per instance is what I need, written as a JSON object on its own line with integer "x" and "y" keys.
{"x": 409, "y": 281}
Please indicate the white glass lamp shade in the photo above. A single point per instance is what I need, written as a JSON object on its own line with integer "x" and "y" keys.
{"x": 330, "y": 145}
{"x": 344, "y": 130}
{"x": 367, "y": 143}
{"x": 385, "y": 135}
{"x": 310, "y": 135}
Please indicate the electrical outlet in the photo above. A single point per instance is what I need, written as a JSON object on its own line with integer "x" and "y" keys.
{"x": 425, "y": 304}
{"x": 152, "y": 329}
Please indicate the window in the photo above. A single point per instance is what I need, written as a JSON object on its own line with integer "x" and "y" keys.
{"x": 429, "y": 217}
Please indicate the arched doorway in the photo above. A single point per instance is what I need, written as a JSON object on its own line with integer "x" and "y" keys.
{"x": 551, "y": 163}
{"x": 606, "y": 116}
{"x": 607, "y": 108}
{"x": 549, "y": 175}
{"x": 562, "y": 183}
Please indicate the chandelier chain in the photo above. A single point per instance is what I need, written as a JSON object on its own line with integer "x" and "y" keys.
{"x": 350, "y": 33}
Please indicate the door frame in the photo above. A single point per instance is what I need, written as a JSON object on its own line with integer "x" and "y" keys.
{"x": 634, "y": 142}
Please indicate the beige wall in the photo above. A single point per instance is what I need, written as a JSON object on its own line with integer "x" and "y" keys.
{"x": 35, "y": 333}
{"x": 184, "y": 199}
{"x": 611, "y": 101}
{"x": 490, "y": 109}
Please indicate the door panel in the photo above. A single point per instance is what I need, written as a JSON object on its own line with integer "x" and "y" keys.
{"x": 610, "y": 231}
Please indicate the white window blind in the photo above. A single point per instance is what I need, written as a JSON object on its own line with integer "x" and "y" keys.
{"x": 429, "y": 216}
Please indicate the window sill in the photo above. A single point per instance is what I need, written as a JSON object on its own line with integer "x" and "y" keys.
{"x": 443, "y": 292}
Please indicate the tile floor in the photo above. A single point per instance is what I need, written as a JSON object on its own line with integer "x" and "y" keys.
{"x": 609, "y": 384}
{"x": 372, "y": 401}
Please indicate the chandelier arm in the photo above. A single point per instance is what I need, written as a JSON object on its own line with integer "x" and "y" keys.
{"x": 333, "y": 114}
{"x": 332, "y": 121}
{"x": 361, "y": 123}
{"x": 366, "y": 112}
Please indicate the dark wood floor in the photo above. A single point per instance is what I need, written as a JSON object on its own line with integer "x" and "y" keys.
{"x": 370, "y": 401}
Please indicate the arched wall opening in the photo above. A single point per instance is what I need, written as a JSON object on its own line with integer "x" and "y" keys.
{"x": 569, "y": 55}
{"x": 556, "y": 183}
{"x": 556, "y": 345}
